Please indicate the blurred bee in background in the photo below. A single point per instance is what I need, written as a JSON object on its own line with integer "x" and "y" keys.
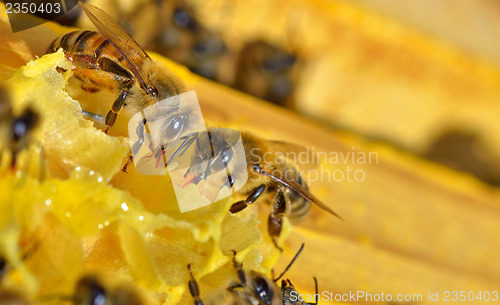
{"x": 464, "y": 150}
{"x": 184, "y": 39}
{"x": 270, "y": 176}
{"x": 268, "y": 72}
{"x": 260, "y": 68}
{"x": 90, "y": 291}
{"x": 251, "y": 288}
{"x": 111, "y": 59}
{"x": 16, "y": 131}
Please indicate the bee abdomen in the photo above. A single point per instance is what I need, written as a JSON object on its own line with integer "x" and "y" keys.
{"x": 85, "y": 42}
{"x": 300, "y": 210}
{"x": 71, "y": 40}
{"x": 300, "y": 206}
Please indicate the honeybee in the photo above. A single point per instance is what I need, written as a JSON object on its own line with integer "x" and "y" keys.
{"x": 90, "y": 291}
{"x": 112, "y": 59}
{"x": 16, "y": 130}
{"x": 267, "y": 72}
{"x": 184, "y": 39}
{"x": 270, "y": 175}
{"x": 252, "y": 288}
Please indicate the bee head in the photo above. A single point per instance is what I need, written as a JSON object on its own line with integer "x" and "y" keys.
{"x": 164, "y": 83}
{"x": 21, "y": 128}
{"x": 264, "y": 290}
{"x": 89, "y": 291}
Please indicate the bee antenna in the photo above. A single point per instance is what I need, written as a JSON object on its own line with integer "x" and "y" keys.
{"x": 316, "y": 291}
{"x": 290, "y": 264}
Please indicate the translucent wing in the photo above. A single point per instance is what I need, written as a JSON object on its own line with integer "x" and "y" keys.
{"x": 306, "y": 158}
{"x": 297, "y": 188}
{"x": 121, "y": 40}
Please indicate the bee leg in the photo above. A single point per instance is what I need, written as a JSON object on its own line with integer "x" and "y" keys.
{"x": 240, "y": 205}
{"x": 275, "y": 220}
{"x": 129, "y": 160}
{"x": 125, "y": 78}
{"x": 139, "y": 131}
{"x": 113, "y": 113}
{"x": 239, "y": 272}
{"x": 193, "y": 288}
{"x": 86, "y": 84}
{"x": 13, "y": 161}
{"x": 188, "y": 141}
{"x": 134, "y": 150}
{"x": 85, "y": 61}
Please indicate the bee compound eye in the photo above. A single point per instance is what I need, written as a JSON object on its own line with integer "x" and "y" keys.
{"x": 175, "y": 126}
{"x": 263, "y": 291}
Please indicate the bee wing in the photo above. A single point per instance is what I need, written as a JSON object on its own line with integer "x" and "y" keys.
{"x": 300, "y": 190}
{"x": 304, "y": 157}
{"x": 121, "y": 40}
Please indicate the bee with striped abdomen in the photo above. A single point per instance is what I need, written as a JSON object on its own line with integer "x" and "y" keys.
{"x": 252, "y": 288}
{"x": 90, "y": 291}
{"x": 112, "y": 59}
{"x": 268, "y": 72}
{"x": 15, "y": 130}
{"x": 270, "y": 176}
